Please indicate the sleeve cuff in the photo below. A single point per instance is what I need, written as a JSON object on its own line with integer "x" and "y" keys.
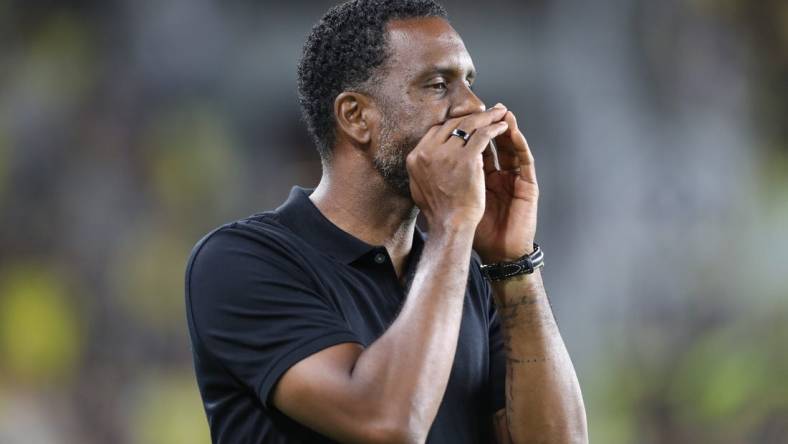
{"x": 295, "y": 355}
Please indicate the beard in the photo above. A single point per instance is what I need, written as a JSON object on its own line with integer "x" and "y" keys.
{"x": 389, "y": 160}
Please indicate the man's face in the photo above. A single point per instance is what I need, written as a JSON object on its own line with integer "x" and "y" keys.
{"x": 425, "y": 81}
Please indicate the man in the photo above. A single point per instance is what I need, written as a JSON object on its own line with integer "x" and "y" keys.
{"x": 333, "y": 318}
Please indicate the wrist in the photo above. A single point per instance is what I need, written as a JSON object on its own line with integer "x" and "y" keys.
{"x": 451, "y": 235}
{"x": 525, "y": 264}
{"x": 453, "y": 227}
{"x": 512, "y": 291}
{"x": 491, "y": 257}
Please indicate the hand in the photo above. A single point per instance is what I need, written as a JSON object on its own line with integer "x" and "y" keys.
{"x": 508, "y": 226}
{"x": 447, "y": 174}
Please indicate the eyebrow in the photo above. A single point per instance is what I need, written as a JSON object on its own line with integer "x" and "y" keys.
{"x": 448, "y": 70}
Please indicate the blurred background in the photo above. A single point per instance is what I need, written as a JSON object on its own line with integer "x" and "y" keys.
{"x": 129, "y": 128}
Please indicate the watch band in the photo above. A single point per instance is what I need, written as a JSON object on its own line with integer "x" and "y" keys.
{"x": 526, "y": 264}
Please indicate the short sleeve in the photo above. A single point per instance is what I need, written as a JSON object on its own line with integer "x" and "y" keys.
{"x": 251, "y": 309}
{"x": 497, "y": 357}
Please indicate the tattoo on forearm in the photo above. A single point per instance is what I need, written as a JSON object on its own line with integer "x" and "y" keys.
{"x": 526, "y": 310}
{"x": 530, "y": 337}
{"x": 509, "y": 392}
{"x": 512, "y": 360}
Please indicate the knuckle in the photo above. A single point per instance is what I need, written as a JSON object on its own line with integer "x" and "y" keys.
{"x": 410, "y": 159}
{"x": 475, "y": 120}
{"x": 430, "y": 133}
{"x": 422, "y": 158}
{"x": 482, "y": 120}
{"x": 454, "y": 122}
{"x": 486, "y": 131}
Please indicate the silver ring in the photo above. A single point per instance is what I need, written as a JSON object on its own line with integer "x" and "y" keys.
{"x": 461, "y": 134}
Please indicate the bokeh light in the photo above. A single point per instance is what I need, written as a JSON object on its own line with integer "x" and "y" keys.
{"x": 40, "y": 330}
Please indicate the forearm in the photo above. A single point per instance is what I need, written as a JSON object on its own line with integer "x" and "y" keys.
{"x": 543, "y": 398}
{"x": 408, "y": 367}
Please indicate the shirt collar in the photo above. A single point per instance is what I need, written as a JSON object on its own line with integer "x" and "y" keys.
{"x": 302, "y": 217}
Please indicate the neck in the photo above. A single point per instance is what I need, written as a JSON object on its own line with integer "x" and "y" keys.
{"x": 369, "y": 210}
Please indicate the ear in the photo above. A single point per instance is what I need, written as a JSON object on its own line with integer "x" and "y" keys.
{"x": 355, "y": 115}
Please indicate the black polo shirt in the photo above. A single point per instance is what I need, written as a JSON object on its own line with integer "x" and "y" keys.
{"x": 264, "y": 292}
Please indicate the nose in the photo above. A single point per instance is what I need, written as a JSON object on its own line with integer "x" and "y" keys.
{"x": 466, "y": 103}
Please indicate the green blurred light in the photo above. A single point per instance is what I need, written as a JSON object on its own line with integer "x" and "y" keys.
{"x": 39, "y": 330}
{"x": 169, "y": 411}
{"x": 60, "y": 66}
{"x": 611, "y": 391}
{"x": 722, "y": 376}
{"x": 149, "y": 277}
{"x": 193, "y": 167}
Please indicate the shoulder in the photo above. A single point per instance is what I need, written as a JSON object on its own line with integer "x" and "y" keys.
{"x": 257, "y": 229}
{"x": 246, "y": 266}
{"x": 243, "y": 252}
{"x": 256, "y": 234}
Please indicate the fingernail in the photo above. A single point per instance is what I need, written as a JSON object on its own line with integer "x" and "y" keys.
{"x": 499, "y": 105}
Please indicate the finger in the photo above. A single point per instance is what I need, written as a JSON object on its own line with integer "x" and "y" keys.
{"x": 522, "y": 159}
{"x": 527, "y": 168}
{"x": 430, "y": 139}
{"x": 440, "y": 134}
{"x": 472, "y": 122}
{"x": 432, "y": 132}
{"x": 507, "y": 158}
{"x": 489, "y": 158}
{"x": 482, "y": 136}
{"x": 507, "y": 155}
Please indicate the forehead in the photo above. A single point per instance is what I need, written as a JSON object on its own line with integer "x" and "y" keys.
{"x": 422, "y": 44}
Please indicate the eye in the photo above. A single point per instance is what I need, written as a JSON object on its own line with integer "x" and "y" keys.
{"x": 439, "y": 86}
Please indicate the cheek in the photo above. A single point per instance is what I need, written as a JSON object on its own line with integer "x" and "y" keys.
{"x": 410, "y": 119}
{"x": 432, "y": 115}
{"x": 421, "y": 117}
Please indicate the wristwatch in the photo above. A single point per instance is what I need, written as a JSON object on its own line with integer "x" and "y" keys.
{"x": 526, "y": 264}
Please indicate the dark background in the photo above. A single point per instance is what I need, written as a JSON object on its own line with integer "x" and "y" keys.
{"x": 128, "y": 129}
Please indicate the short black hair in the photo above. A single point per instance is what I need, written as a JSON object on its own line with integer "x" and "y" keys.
{"x": 341, "y": 54}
